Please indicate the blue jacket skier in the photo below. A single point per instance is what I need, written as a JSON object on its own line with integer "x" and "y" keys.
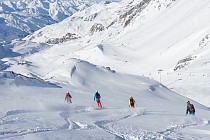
{"x": 97, "y": 98}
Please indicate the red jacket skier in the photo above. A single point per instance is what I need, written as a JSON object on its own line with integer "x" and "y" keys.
{"x": 97, "y": 98}
{"x": 68, "y": 97}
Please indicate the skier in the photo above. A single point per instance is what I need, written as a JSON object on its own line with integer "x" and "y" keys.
{"x": 97, "y": 98}
{"x": 131, "y": 102}
{"x": 68, "y": 97}
{"x": 190, "y": 108}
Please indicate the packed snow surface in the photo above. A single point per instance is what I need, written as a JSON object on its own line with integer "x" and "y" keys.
{"x": 31, "y": 112}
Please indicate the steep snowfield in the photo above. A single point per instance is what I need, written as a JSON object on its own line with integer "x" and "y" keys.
{"x": 41, "y": 113}
{"x": 148, "y": 40}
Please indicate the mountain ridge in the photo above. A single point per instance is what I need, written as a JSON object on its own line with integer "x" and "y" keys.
{"x": 27, "y": 16}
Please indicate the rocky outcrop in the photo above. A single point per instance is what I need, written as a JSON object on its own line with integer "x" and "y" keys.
{"x": 133, "y": 10}
{"x": 131, "y": 13}
{"x": 203, "y": 43}
{"x": 97, "y": 27}
{"x": 184, "y": 62}
{"x": 67, "y": 37}
{"x": 91, "y": 17}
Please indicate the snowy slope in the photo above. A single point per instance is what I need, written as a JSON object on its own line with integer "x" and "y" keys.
{"x": 11, "y": 78}
{"x": 117, "y": 49}
{"x": 146, "y": 25}
{"x": 22, "y": 17}
{"x": 140, "y": 38}
{"x": 41, "y": 113}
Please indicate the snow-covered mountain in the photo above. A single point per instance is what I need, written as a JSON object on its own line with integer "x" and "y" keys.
{"x": 131, "y": 28}
{"x": 142, "y": 48}
{"x": 22, "y": 17}
{"x": 140, "y": 37}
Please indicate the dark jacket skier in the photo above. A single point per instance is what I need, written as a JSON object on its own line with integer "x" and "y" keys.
{"x": 190, "y": 108}
{"x": 131, "y": 102}
{"x": 97, "y": 98}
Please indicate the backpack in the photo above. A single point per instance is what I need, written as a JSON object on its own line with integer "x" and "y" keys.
{"x": 192, "y": 109}
{"x": 132, "y": 101}
{"x": 97, "y": 95}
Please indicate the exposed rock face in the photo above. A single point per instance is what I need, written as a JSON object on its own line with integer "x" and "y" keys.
{"x": 184, "y": 62}
{"x": 67, "y": 37}
{"x": 97, "y": 27}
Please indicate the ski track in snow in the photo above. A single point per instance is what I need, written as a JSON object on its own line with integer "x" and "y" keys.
{"x": 70, "y": 124}
{"x": 105, "y": 125}
{"x": 12, "y": 133}
{"x": 65, "y": 115}
{"x": 17, "y": 111}
{"x": 7, "y": 134}
{"x": 174, "y": 128}
{"x": 3, "y": 120}
{"x": 165, "y": 134}
{"x": 101, "y": 125}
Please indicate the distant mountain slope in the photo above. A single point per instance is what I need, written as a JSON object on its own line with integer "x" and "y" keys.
{"x": 149, "y": 31}
{"x": 22, "y": 17}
